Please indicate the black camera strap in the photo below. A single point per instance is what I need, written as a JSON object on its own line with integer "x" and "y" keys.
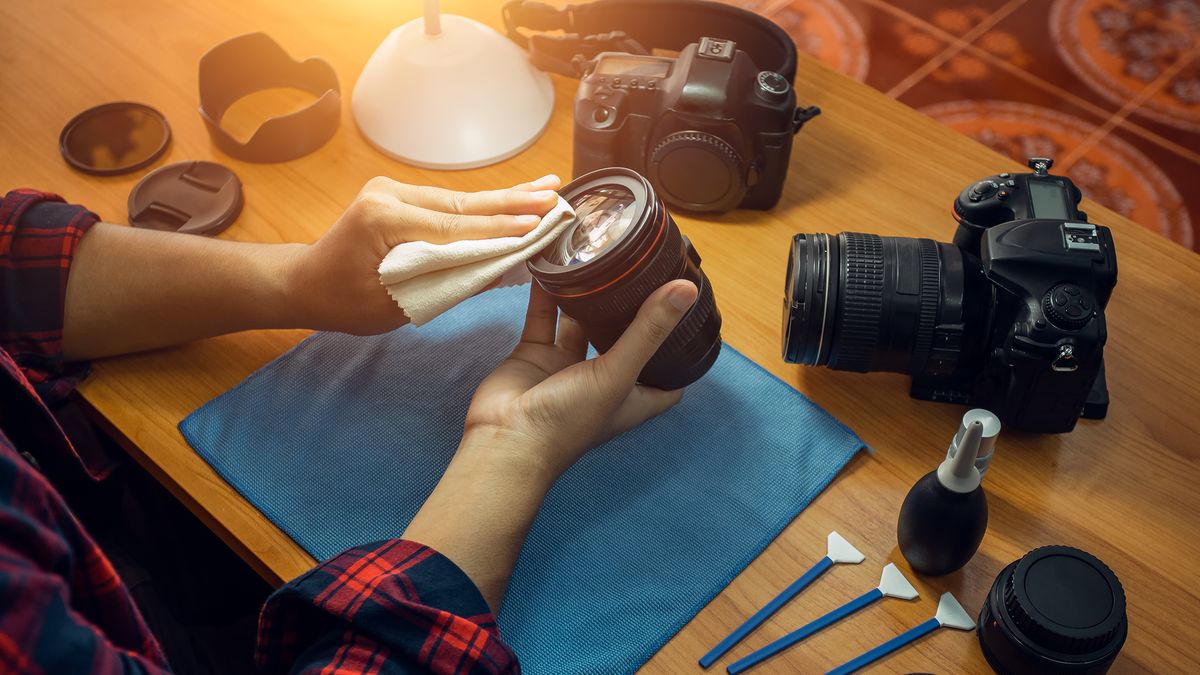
{"x": 637, "y": 26}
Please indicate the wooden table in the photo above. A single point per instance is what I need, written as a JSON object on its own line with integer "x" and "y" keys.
{"x": 1124, "y": 489}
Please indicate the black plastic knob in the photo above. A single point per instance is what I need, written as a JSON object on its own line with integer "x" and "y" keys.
{"x": 1068, "y": 306}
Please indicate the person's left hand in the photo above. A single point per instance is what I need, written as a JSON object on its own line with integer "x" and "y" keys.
{"x": 333, "y": 284}
{"x": 547, "y": 404}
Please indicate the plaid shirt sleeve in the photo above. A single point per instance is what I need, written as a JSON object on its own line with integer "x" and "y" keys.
{"x": 38, "y": 237}
{"x": 389, "y": 607}
{"x": 63, "y": 609}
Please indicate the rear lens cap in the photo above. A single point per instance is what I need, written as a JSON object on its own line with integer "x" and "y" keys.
{"x": 1056, "y": 610}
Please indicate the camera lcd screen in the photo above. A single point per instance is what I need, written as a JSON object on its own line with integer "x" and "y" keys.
{"x": 633, "y": 67}
{"x": 602, "y": 217}
{"x": 1049, "y": 200}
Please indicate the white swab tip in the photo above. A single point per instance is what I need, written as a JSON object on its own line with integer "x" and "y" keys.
{"x": 842, "y": 551}
{"x": 952, "y": 615}
{"x": 894, "y": 584}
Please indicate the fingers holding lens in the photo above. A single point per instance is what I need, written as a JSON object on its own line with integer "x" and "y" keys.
{"x": 571, "y": 338}
{"x": 541, "y": 317}
{"x": 412, "y": 223}
{"x": 655, "y": 320}
{"x": 547, "y": 182}
{"x": 536, "y": 197}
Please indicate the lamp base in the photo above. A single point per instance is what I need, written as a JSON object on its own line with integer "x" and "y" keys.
{"x": 463, "y": 98}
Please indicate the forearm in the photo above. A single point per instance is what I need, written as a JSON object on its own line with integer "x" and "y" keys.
{"x": 481, "y": 510}
{"x": 134, "y": 289}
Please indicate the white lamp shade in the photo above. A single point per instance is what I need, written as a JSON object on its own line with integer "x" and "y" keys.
{"x": 463, "y": 98}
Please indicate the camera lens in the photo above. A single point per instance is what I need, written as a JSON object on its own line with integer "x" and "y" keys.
{"x": 622, "y": 246}
{"x": 864, "y": 302}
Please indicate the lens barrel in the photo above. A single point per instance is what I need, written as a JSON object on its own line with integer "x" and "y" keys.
{"x": 863, "y": 302}
{"x": 604, "y": 293}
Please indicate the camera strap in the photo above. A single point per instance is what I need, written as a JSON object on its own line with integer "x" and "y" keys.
{"x": 637, "y": 26}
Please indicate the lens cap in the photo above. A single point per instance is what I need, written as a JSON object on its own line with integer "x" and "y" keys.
{"x": 114, "y": 138}
{"x": 1056, "y": 610}
{"x": 189, "y": 197}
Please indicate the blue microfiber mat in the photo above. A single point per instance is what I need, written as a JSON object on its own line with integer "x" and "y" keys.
{"x": 341, "y": 439}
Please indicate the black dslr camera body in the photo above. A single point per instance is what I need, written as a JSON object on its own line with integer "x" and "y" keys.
{"x": 709, "y": 129}
{"x": 1009, "y": 318}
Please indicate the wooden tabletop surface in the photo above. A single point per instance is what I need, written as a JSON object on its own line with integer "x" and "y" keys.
{"x": 1124, "y": 488}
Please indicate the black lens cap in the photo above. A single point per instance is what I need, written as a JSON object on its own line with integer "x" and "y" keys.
{"x": 114, "y": 138}
{"x": 189, "y": 197}
{"x": 1056, "y": 610}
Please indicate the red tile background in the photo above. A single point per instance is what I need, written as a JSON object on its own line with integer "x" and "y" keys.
{"x": 1110, "y": 88}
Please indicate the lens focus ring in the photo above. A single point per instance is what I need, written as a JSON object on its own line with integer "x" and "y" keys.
{"x": 931, "y": 274}
{"x": 858, "y": 316}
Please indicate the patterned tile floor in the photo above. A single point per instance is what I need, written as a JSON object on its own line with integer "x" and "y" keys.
{"x": 1109, "y": 88}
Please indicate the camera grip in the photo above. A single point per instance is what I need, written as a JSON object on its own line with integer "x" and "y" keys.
{"x": 774, "y": 151}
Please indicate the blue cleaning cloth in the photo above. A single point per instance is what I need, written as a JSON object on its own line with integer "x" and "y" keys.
{"x": 340, "y": 440}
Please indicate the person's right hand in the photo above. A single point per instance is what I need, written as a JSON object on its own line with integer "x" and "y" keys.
{"x": 546, "y": 405}
{"x": 334, "y": 283}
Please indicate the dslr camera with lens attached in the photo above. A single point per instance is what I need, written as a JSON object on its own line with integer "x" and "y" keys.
{"x": 711, "y": 129}
{"x": 1010, "y": 317}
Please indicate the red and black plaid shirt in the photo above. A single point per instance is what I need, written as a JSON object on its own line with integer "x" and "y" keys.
{"x": 388, "y": 607}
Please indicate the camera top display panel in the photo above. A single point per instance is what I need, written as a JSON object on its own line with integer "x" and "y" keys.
{"x": 1049, "y": 198}
{"x": 620, "y": 70}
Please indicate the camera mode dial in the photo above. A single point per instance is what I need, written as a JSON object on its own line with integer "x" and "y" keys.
{"x": 1068, "y": 306}
{"x": 697, "y": 170}
{"x": 772, "y": 86}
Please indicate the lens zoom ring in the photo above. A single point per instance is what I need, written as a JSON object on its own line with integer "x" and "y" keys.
{"x": 861, "y": 304}
{"x": 931, "y": 274}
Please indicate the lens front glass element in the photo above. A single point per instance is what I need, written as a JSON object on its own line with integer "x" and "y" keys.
{"x": 602, "y": 217}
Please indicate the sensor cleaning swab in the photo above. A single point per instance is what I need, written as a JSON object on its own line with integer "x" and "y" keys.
{"x": 891, "y": 584}
{"x": 839, "y": 551}
{"x": 949, "y": 614}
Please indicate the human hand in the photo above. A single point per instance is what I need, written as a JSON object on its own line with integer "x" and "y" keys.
{"x": 333, "y": 284}
{"x": 546, "y": 405}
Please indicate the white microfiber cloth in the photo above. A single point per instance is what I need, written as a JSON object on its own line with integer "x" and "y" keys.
{"x": 427, "y": 279}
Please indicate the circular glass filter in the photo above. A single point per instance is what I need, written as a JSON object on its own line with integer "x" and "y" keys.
{"x": 114, "y": 138}
{"x": 602, "y": 217}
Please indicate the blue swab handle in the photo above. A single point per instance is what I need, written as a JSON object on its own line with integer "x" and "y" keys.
{"x": 763, "y": 614}
{"x": 804, "y": 631}
{"x": 886, "y": 648}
